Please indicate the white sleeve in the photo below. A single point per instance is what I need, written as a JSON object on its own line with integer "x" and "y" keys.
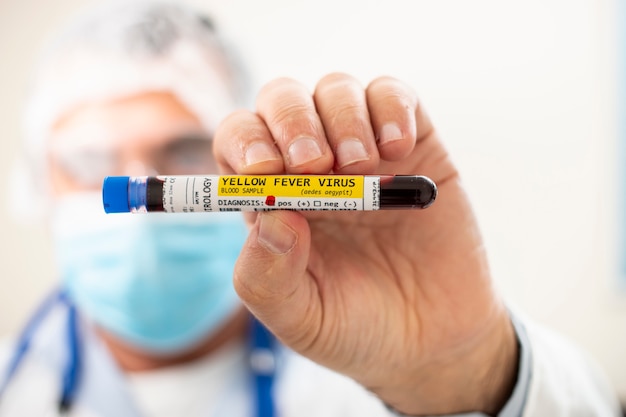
{"x": 555, "y": 379}
{"x": 565, "y": 382}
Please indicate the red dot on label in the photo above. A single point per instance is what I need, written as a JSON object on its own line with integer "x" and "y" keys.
{"x": 270, "y": 200}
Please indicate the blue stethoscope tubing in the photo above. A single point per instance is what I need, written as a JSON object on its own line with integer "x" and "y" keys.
{"x": 262, "y": 343}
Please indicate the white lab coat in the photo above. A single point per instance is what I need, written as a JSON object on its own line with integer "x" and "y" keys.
{"x": 564, "y": 383}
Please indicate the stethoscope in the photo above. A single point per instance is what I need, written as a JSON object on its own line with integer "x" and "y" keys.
{"x": 262, "y": 357}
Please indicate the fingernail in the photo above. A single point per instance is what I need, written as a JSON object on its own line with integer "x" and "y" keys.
{"x": 275, "y": 235}
{"x": 350, "y": 151}
{"x": 303, "y": 150}
{"x": 389, "y": 133}
{"x": 260, "y": 152}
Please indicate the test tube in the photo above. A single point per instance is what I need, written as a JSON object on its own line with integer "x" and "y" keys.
{"x": 215, "y": 193}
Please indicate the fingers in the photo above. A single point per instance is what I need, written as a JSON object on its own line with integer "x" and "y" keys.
{"x": 392, "y": 107}
{"x": 342, "y": 106}
{"x": 243, "y": 144}
{"x": 341, "y": 127}
{"x": 290, "y": 115}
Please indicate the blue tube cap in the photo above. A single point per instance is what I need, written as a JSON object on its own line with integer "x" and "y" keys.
{"x": 115, "y": 194}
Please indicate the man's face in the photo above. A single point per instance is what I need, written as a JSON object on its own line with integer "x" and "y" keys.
{"x": 160, "y": 285}
{"x": 147, "y": 134}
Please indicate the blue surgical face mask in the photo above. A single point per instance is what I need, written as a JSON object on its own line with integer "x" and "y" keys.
{"x": 162, "y": 282}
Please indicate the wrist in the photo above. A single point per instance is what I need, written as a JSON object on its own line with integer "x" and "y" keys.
{"x": 480, "y": 378}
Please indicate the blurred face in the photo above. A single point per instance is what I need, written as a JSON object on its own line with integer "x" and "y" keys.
{"x": 159, "y": 282}
{"x": 147, "y": 134}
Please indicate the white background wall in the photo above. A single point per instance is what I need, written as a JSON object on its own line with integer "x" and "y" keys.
{"x": 524, "y": 93}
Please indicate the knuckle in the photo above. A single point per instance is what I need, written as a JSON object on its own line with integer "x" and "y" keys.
{"x": 288, "y": 112}
{"x": 340, "y": 99}
{"x": 389, "y": 88}
{"x": 347, "y": 114}
{"x": 232, "y": 120}
{"x": 386, "y": 80}
{"x": 337, "y": 80}
{"x": 277, "y": 83}
{"x": 278, "y": 88}
{"x": 239, "y": 127}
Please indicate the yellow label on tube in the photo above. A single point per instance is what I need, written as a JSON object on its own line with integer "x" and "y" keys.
{"x": 328, "y": 186}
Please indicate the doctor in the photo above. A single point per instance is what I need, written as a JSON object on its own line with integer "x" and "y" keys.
{"x": 369, "y": 314}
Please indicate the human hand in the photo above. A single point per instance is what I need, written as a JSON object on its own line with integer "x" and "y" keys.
{"x": 401, "y": 301}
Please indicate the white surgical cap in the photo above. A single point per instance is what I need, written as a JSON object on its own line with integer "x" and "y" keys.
{"x": 123, "y": 49}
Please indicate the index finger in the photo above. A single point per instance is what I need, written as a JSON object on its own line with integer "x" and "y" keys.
{"x": 289, "y": 112}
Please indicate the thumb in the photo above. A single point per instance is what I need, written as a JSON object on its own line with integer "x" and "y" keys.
{"x": 271, "y": 279}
